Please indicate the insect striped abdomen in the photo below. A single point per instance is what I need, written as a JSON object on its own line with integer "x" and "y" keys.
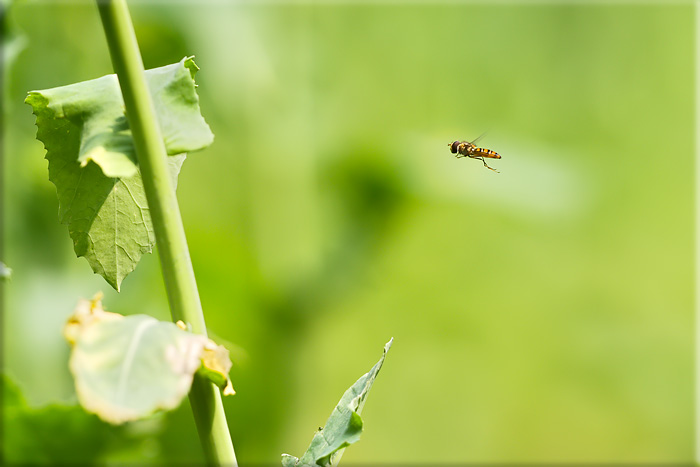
{"x": 482, "y": 152}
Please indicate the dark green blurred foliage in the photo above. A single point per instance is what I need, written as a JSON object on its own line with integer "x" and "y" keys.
{"x": 363, "y": 191}
{"x": 63, "y": 434}
{"x": 543, "y": 314}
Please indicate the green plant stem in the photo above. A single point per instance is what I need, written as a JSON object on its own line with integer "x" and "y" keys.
{"x": 176, "y": 265}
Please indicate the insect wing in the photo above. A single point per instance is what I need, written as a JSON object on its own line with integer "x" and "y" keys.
{"x": 478, "y": 138}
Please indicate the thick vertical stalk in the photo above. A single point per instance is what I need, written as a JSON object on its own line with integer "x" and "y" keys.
{"x": 3, "y": 264}
{"x": 170, "y": 235}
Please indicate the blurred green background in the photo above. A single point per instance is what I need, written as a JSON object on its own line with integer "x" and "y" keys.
{"x": 543, "y": 314}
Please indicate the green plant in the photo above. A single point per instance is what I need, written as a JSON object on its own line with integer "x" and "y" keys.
{"x": 115, "y": 146}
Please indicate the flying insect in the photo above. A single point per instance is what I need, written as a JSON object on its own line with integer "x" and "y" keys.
{"x": 469, "y": 149}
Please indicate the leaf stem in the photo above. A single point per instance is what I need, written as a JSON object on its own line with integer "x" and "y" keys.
{"x": 176, "y": 265}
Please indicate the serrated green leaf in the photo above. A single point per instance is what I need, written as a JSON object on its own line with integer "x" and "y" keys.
{"x": 343, "y": 427}
{"x": 108, "y": 218}
{"x": 92, "y": 161}
{"x": 86, "y": 120}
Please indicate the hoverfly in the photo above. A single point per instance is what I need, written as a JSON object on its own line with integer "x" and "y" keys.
{"x": 469, "y": 149}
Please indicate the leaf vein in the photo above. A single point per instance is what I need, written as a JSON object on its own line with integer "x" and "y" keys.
{"x": 130, "y": 357}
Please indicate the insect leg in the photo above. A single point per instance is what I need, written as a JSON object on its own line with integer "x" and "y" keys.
{"x": 486, "y": 165}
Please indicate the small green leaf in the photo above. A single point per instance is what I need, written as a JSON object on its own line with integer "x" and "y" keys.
{"x": 92, "y": 161}
{"x": 127, "y": 367}
{"x": 343, "y": 427}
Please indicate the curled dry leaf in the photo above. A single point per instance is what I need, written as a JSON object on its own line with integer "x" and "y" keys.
{"x": 86, "y": 313}
{"x": 127, "y": 367}
{"x": 216, "y": 365}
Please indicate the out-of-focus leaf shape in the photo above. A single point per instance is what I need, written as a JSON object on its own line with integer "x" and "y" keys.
{"x": 343, "y": 427}
{"x": 5, "y": 271}
{"x": 104, "y": 203}
{"x": 216, "y": 365}
{"x": 127, "y": 367}
{"x": 50, "y": 435}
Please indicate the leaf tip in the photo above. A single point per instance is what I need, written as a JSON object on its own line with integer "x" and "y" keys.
{"x": 188, "y": 62}
{"x": 387, "y": 346}
{"x": 31, "y": 97}
{"x": 228, "y": 390}
{"x": 289, "y": 461}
